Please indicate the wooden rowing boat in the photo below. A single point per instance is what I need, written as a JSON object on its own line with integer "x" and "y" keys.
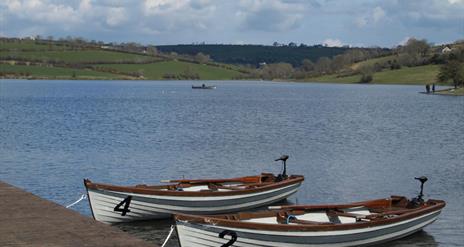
{"x": 354, "y": 224}
{"x": 112, "y": 203}
{"x": 203, "y": 86}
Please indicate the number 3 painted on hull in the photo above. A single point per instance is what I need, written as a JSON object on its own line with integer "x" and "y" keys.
{"x": 126, "y": 203}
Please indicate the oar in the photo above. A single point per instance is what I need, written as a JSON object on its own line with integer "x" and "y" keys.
{"x": 250, "y": 179}
{"x": 372, "y": 203}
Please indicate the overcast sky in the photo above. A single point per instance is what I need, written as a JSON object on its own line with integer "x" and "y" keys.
{"x": 334, "y": 22}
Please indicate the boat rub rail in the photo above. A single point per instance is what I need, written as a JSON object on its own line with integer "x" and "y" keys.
{"x": 251, "y": 184}
{"x": 386, "y": 211}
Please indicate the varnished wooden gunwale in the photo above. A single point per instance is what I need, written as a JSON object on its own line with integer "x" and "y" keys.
{"x": 154, "y": 190}
{"x": 232, "y": 220}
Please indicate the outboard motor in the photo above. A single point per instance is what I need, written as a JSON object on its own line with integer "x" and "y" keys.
{"x": 283, "y": 176}
{"x": 417, "y": 201}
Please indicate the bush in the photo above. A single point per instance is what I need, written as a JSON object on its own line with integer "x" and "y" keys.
{"x": 366, "y": 78}
{"x": 394, "y": 65}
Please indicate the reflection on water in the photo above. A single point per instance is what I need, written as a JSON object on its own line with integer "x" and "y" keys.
{"x": 351, "y": 142}
{"x": 418, "y": 239}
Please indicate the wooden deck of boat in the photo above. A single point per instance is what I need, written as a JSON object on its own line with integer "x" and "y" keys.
{"x": 28, "y": 220}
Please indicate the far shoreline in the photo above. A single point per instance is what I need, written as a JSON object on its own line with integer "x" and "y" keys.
{"x": 240, "y": 80}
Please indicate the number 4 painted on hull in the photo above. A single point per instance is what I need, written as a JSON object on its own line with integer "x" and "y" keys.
{"x": 126, "y": 203}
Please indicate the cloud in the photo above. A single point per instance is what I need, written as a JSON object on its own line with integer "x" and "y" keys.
{"x": 116, "y": 16}
{"x": 377, "y": 14}
{"x": 427, "y": 13}
{"x": 85, "y": 5}
{"x": 361, "y": 22}
{"x": 332, "y": 42}
{"x": 270, "y": 15}
{"x": 185, "y": 21}
{"x": 171, "y": 15}
{"x": 163, "y": 7}
{"x": 405, "y": 40}
{"x": 42, "y": 11}
{"x": 374, "y": 16}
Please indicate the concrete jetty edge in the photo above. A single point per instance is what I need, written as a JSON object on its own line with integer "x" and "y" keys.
{"x": 28, "y": 220}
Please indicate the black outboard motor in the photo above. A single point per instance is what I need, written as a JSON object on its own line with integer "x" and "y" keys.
{"x": 283, "y": 176}
{"x": 417, "y": 201}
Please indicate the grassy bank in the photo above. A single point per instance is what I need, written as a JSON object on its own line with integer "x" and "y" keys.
{"x": 157, "y": 71}
{"x": 419, "y": 75}
{"x": 451, "y": 91}
{"x": 41, "y": 72}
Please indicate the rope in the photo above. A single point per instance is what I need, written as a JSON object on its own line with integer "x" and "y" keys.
{"x": 83, "y": 196}
{"x": 169, "y": 236}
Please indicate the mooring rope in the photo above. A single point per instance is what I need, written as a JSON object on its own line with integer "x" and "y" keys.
{"x": 169, "y": 236}
{"x": 83, "y": 196}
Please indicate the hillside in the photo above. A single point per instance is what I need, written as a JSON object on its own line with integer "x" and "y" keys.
{"x": 255, "y": 54}
{"x": 61, "y": 60}
{"x": 416, "y": 62}
{"x": 419, "y": 75}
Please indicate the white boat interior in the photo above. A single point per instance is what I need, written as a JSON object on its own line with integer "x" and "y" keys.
{"x": 323, "y": 216}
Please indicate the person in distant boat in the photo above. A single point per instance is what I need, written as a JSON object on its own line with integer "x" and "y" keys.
{"x": 433, "y": 88}
{"x": 427, "y": 88}
{"x": 203, "y": 85}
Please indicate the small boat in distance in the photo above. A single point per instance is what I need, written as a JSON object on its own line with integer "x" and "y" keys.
{"x": 113, "y": 203}
{"x": 203, "y": 86}
{"x": 354, "y": 224}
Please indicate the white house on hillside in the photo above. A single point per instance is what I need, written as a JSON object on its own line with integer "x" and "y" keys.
{"x": 445, "y": 50}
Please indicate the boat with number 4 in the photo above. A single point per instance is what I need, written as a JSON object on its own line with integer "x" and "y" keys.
{"x": 355, "y": 224}
{"x": 113, "y": 203}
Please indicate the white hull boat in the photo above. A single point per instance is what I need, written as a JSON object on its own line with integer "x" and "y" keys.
{"x": 355, "y": 224}
{"x": 113, "y": 204}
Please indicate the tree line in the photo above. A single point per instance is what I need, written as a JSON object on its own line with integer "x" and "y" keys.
{"x": 413, "y": 53}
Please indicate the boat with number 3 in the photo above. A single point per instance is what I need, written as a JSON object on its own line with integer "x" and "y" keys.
{"x": 113, "y": 203}
{"x": 355, "y": 224}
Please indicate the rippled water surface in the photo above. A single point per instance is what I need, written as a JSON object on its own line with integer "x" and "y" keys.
{"x": 351, "y": 142}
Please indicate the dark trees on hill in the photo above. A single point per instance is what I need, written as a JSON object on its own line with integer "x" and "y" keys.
{"x": 255, "y": 54}
{"x": 413, "y": 53}
{"x": 277, "y": 70}
{"x": 202, "y": 58}
{"x": 416, "y": 47}
{"x": 453, "y": 70}
{"x": 307, "y": 65}
{"x": 323, "y": 65}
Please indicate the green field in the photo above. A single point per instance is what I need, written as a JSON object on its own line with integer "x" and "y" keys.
{"x": 453, "y": 92}
{"x": 372, "y": 61}
{"x": 118, "y": 64}
{"x": 155, "y": 71}
{"x": 123, "y": 65}
{"x": 56, "y": 73}
{"x": 23, "y": 45}
{"x": 407, "y": 75}
{"x": 84, "y": 56}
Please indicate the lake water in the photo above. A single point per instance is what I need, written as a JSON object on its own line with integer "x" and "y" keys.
{"x": 351, "y": 142}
